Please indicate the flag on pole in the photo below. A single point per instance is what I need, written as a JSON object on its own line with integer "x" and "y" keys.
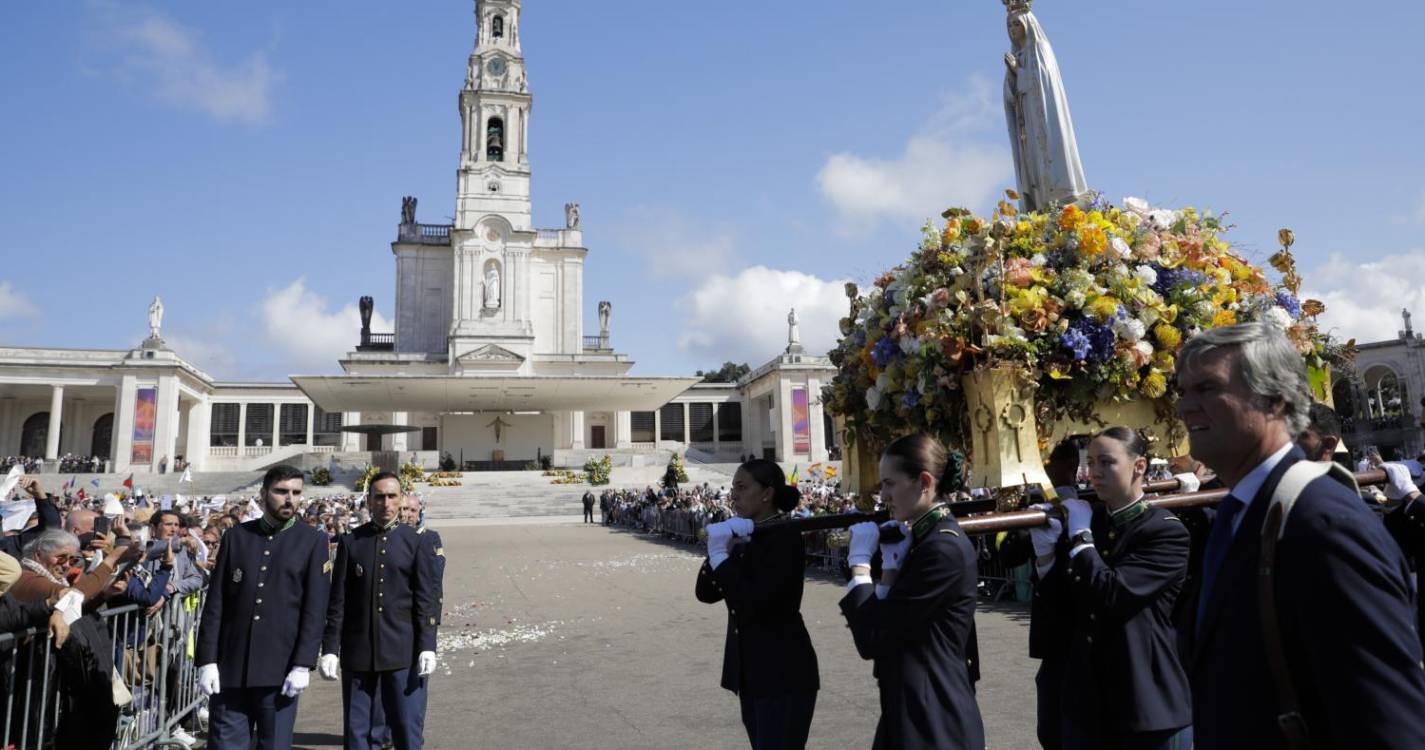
{"x": 82, "y": 497}
{"x": 792, "y": 480}
{"x": 129, "y": 482}
{"x": 94, "y": 483}
{"x": 187, "y": 475}
{"x": 831, "y": 472}
{"x": 70, "y": 484}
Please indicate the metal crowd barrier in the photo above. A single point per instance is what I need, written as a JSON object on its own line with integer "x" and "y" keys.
{"x": 153, "y": 662}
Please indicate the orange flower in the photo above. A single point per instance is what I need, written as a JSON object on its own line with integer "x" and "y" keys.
{"x": 1224, "y": 318}
{"x": 1071, "y": 218}
{"x": 1092, "y": 241}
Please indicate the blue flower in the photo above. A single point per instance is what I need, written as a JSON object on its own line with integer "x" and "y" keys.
{"x": 1170, "y": 279}
{"x": 910, "y": 398}
{"x": 1289, "y": 303}
{"x": 884, "y": 351}
{"x": 1076, "y": 342}
{"x": 1088, "y": 340}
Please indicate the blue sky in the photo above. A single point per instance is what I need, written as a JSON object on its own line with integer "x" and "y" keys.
{"x": 246, "y": 160}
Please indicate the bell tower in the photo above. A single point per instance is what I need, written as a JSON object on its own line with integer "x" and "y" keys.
{"x": 494, "y": 114}
{"x": 493, "y": 237}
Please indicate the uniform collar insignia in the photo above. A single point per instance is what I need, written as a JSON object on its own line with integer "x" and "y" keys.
{"x": 1124, "y": 515}
{"x": 925, "y": 523}
{"x": 269, "y": 526}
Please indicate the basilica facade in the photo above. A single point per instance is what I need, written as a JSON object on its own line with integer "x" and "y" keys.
{"x": 488, "y": 364}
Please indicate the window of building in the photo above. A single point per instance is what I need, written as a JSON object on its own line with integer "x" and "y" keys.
{"x": 33, "y": 435}
{"x": 294, "y": 424}
{"x": 641, "y": 426}
{"x": 223, "y": 425}
{"x": 672, "y": 422}
{"x": 497, "y": 27}
{"x": 326, "y": 427}
{"x": 729, "y": 422}
{"x": 103, "y": 441}
{"x": 700, "y": 418}
{"x": 259, "y": 424}
{"x": 429, "y": 436}
{"x": 495, "y": 140}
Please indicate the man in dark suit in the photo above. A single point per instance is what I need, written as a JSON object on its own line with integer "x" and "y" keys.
{"x": 382, "y": 619}
{"x": 262, "y": 620}
{"x": 588, "y": 506}
{"x": 1343, "y": 599}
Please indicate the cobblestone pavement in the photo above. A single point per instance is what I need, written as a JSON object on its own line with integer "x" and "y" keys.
{"x": 561, "y": 635}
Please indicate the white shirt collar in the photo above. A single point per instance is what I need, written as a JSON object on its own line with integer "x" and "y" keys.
{"x": 1246, "y": 489}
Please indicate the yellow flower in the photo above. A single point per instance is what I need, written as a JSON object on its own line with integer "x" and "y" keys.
{"x": 951, "y": 233}
{"x": 1092, "y": 241}
{"x": 1168, "y": 337}
{"x": 1071, "y": 218}
{"x": 1103, "y": 307}
{"x": 1164, "y": 361}
{"x": 1155, "y": 385}
{"x": 1224, "y": 318}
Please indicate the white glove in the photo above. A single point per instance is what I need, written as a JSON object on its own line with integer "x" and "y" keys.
{"x": 208, "y": 679}
{"x": 1188, "y": 482}
{"x": 1045, "y": 538}
{"x": 1080, "y": 515}
{"x": 296, "y": 682}
{"x": 1398, "y": 485}
{"x": 740, "y": 526}
{"x": 865, "y": 537}
{"x": 329, "y": 666}
{"x": 892, "y": 555}
{"x": 719, "y": 537}
{"x": 425, "y": 664}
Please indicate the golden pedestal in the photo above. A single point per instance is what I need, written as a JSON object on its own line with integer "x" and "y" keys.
{"x": 1167, "y": 437}
{"x": 1004, "y": 444}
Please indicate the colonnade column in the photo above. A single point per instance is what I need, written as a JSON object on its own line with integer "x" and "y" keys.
{"x": 398, "y": 439}
{"x": 56, "y": 412}
{"x": 8, "y": 430}
{"x": 311, "y": 421}
{"x": 717, "y": 439}
{"x": 687, "y": 428}
{"x": 242, "y": 429}
{"x": 195, "y": 452}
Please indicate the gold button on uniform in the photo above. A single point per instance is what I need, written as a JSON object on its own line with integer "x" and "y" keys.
{"x": 257, "y": 617}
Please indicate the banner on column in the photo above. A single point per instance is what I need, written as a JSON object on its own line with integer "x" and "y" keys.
{"x": 801, "y": 422}
{"x": 145, "y": 417}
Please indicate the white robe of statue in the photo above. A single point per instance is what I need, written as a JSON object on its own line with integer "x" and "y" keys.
{"x": 1041, "y": 133}
{"x": 492, "y": 288}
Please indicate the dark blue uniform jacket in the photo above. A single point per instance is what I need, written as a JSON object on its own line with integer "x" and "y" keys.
{"x": 266, "y": 604}
{"x": 768, "y": 651}
{"x": 385, "y": 598}
{"x": 1347, "y": 625}
{"x": 919, "y": 637}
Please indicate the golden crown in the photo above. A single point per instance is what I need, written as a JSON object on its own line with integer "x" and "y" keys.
{"x": 1017, "y": 6}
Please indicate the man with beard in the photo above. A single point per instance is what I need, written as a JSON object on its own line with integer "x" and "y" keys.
{"x": 262, "y": 621}
{"x": 382, "y": 621}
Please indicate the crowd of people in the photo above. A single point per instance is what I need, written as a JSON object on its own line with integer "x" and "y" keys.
{"x": 79, "y": 564}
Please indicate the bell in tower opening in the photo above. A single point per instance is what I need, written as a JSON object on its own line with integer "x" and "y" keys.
{"x": 495, "y": 140}
{"x": 497, "y": 27}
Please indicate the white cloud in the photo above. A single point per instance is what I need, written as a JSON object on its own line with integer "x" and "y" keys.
{"x": 674, "y": 245}
{"x": 298, "y": 323}
{"x": 743, "y": 318}
{"x": 14, "y": 303}
{"x": 946, "y": 164}
{"x": 1364, "y": 299}
{"x": 168, "y": 59}
{"x": 208, "y": 352}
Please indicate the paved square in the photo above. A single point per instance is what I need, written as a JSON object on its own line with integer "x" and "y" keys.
{"x": 560, "y": 635}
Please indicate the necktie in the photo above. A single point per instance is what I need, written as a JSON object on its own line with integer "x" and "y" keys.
{"x": 1219, "y": 539}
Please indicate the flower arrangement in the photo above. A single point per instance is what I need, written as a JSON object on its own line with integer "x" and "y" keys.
{"x": 1091, "y": 301}
{"x": 676, "y": 473}
{"x": 564, "y": 476}
{"x": 597, "y": 470}
{"x": 321, "y": 476}
{"x": 410, "y": 474}
{"x": 365, "y": 478}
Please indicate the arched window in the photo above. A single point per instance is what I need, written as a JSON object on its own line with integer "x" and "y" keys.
{"x": 497, "y": 27}
{"x": 1386, "y": 396}
{"x": 33, "y": 434}
{"x": 103, "y": 436}
{"x": 495, "y": 140}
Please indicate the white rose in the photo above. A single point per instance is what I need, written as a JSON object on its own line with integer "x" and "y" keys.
{"x": 910, "y": 344}
{"x": 1144, "y": 273}
{"x": 873, "y": 397}
{"x": 1144, "y": 348}
{"x": 1120, "y": 247}
{"x": 1137, "y": 206}
{"x": 1163, "y": 218}
{"x": 1075, "y": 298}
{"x": 1279, "y": 317}
{"x": 1129, "y": 329}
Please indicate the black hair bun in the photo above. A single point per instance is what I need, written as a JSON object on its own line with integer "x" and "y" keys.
{"x": 788, "y": 497}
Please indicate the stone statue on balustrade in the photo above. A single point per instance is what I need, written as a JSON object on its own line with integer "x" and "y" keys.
{"x": 794, "y": 336}
{"x": 1041, "y": 133}
{"x": 605, "y": 308}
{"x": 492, "y": 288}
{"x": 155, "y": 319}
{"x": 408, "y": 210}
{"x": 571, "y": 215}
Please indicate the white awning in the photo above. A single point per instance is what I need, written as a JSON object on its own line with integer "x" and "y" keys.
{"x": 445, "y": 394}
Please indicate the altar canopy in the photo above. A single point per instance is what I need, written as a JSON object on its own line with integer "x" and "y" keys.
{"x": 344, "y": 393}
